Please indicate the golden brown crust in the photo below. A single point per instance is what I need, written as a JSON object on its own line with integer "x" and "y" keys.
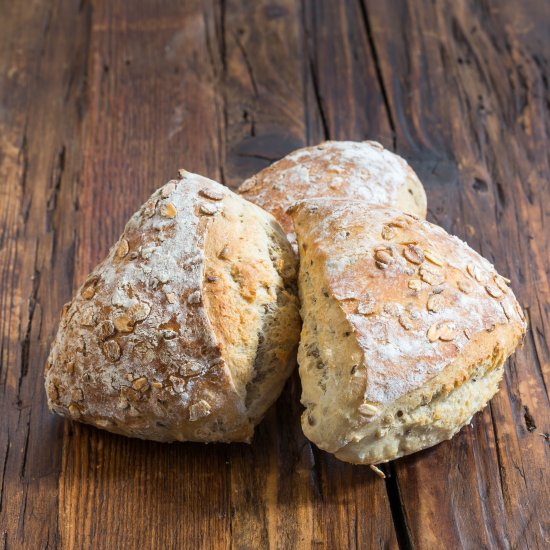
{"x": 340, "y": 169}
{"x": 136, "y": 352}
{"x": 248, "y": 259}
{"x": 410, "y": 302}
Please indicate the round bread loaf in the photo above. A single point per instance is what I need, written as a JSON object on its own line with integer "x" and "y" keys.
{"x": 405, "y": 330}
{"x": 344, "y": 169}
{"x": 188, "y": 329}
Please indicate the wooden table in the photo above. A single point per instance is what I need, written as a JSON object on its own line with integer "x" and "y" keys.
{"x": 101, "y": 102}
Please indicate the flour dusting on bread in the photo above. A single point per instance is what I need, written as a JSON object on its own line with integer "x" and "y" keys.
{"x": 138, "y": 351}
{"x": 340, "y": 169}
{"x": 395, "y": 319}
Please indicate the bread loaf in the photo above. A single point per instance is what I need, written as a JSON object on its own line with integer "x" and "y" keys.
{"x": 345, "y": 169}
{"x": 405, "y": 330}
{"x": 187, "y": 330}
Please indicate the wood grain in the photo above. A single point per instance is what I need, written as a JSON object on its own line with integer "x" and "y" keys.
{"x": 485, "y": 488}
{"x": 153, "y": 105}
{"x": 40, "y": 160}
{"x": 100, "y": 103}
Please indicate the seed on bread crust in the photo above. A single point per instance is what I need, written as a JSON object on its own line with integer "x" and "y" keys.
{"x": 434, "y": 258}
{"x": 212, "y": 194}
{"x": 77, "y": 394}
{"x": 501, "y": 283}
{"x": 476, "y": 272}
{"x": 431, "y": 275}
{"x": 445, "y": 331}
{"x": 388, "y": 232}
{"x": 89, "y": 289}
{"x": 140, "y": 384}
{"x": 367, "y": 409}
{"x": 139, "y": 312}
{"x": 494, "y": 291}
{"x": 224, "y": 253}
{"x": 168, "y": 189}
{"x": 208, "y": 209}
{"x": 413, "y": 254}
{"x": 435, "y": 302}
{"x": 199, "y": 410}
{"x": 464, "y": 285}
{"x": 74, "y": 410}
{"x": 405, "y": 323}
{"x": 384, "y": 258}
{"x": 122, "y": 248}
{"x": 508, "y": 310}
{"x": 111, "y": 350}
{"x": 377, "y": 471}
{"x": 124, "y": 324}
{"x": 105, "y": 329}
{"x": 168, "y": 210}
{"x": 367, "y": 306}
{"x": 415, "y": 284}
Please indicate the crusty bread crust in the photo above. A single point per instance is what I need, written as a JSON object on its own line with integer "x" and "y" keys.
{"x": 404, "y": 329}
{"x": 340, "y": 169}
{"x": 142, "y": 349}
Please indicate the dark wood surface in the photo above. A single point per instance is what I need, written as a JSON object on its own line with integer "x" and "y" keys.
{"x": 101, "y": 102}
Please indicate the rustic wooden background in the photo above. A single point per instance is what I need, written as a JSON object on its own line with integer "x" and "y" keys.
{"x": 101, "y": 101}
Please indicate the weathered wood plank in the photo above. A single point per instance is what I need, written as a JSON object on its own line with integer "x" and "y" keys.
{"x": 344, "y": 101}
{"x": 468, "y": 91}
{"x": 345, "y": 88}
{"x": 285, "y": 493}
{"x": 101, "y": 101}
{"x": 271, "y": 491}
{"x": 152, "y": 106}
{"x": 263, "y": 84}
{"x": 40, "y": 163}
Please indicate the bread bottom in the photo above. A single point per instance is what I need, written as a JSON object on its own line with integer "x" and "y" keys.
{"x": 401, "y": 432}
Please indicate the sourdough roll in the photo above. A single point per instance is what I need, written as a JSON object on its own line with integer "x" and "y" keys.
{"x": 405, "y": 330}
{"x": 187, "y": 330}
{"x": 345, "y": 169}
